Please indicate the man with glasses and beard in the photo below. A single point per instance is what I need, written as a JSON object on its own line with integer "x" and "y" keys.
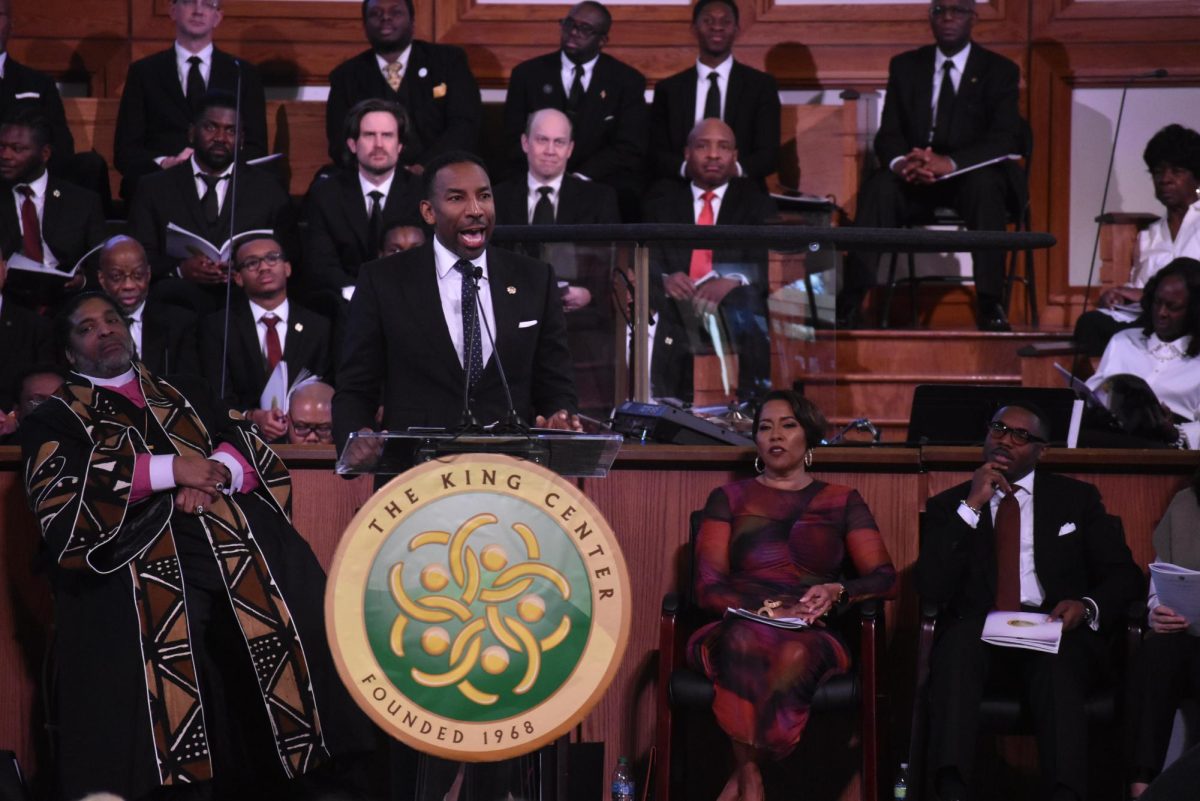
{"x": 194, "y": 195}
{"x": 1018, "y": 539}
{"x": 431, "y": 81}
{"x": 605, "y": 100}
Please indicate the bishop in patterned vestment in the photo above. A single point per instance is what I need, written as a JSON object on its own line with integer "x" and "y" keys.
{"x": 190, "y": 654}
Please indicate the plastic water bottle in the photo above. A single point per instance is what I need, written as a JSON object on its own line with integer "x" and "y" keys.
{"x": 622, "y": 781}
{"x": 900, "y": 789}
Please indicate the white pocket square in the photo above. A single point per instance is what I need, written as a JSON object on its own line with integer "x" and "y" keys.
{"x": 26, "y": 95}
{"x": 610, "y": 118}
{"x": 526, "y": 323}
{"x": 1066, "y": 529}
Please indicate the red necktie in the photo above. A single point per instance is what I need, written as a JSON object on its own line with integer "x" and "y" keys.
{"x": 1007, "y": 529}
{"x": 274, "y": 349}
{"x": 31, "y": 231}
{"x": 702, "y": 260}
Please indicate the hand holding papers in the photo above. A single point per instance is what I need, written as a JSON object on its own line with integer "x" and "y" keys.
{"x": 1178, "y": 589}
{"x": 777, "y": 622}
{"x": 1031, "y": 630}
{"x": 182, "y": 244}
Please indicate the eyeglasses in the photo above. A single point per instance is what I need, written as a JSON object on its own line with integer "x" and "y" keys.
{"x": 1020, "y": 436}
{"x": 212, "y": 5}
{"x": 586, "y": 31}
{"x": 118, "y": 278}
{"x": 255, "y": 263}
{"x": 304, "y": 429}
{"x": 953, "y": 12}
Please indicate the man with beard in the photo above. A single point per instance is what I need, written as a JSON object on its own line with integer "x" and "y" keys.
{"x": 47, "y": 220}
{"x": 1015, "y": 538}
{"x": 717, "y": 87}
{"x": 178, "y": 674}
{"x": 693, "y": 286}
{"x": 194, "y": 195}
{"x": 431, "y": 81}
{"x": 604, "y": 98}
{"x": 349, "y": 212}
{"x": 265, "y": 328}
{"x": 163, "y": 92}
{"x": 948, "y": 106}
{"x": 415, "y": 335}
{"x": 164, "y": 337}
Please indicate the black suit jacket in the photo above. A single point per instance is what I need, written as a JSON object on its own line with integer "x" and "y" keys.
{"x": 752, "y": 110}
{"x": 170, "y": 196}
{"x": 743, "y": 204}
{"x": 985, "y": 123}
{"x": 307, "y": 345}
{"x": 336, "y": 239}
{"x": 610, "y": 127}
{"x": 580, "y": 202}
{"x": 23, "y": 86}
{"x": 25, "y": 340}
{"x": 398, "y": 346}
{"x": 437, "y": 89}
{"x": 169, "y": 339}
{"x": 72, "y": 224}
{"x": 154, "y": 115}
{"x": 957, "y": 564}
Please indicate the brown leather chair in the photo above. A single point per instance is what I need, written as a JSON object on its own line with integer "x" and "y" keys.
{"x": 684, "y": 694}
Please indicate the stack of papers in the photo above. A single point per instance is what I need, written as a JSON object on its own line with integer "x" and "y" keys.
{"x": 1031, "y": 630}
{"x": 777, "y": 622}
{"x": 1179, "y": 590}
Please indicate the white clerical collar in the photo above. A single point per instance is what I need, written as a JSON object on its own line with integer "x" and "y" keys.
{"x": 444, "y": 260}
{"x": 116, "y": 381}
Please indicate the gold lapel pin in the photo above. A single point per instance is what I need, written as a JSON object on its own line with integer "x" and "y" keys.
{"x": 512, "y": 290}
{"x": 603, "y": 94}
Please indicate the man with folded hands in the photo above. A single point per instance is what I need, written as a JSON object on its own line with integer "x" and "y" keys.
{"x": 1014, "y": 538}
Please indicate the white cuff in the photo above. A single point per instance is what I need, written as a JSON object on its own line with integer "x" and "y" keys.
{"x": 162, "y": 472}
{"x": 683, "y": 170}
{"x": 235, "y": 471}
{"x": 968, "y": 515}
{"x": 892, "y": 164}
{"x": 159, "y": 160}
{"x": 1191, "y": 431}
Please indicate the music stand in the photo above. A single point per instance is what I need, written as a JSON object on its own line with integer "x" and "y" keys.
{"x": 958, "y": 414}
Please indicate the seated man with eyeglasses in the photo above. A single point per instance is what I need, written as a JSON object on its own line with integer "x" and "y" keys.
{"x": 1018, "y": 539}
{"x": 265, "y": 328}
{"x": 164, "y": 334}
{"x": 310, "y": 414}
{"x": 949, "y": 106}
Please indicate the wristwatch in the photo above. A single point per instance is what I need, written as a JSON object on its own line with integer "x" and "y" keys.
{"x": 1089, "y": 611}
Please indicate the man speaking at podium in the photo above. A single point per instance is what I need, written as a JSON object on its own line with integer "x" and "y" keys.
{"x": 412, "y": 313}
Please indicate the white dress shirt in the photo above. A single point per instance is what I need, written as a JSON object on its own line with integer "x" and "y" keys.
{"x": 222, "y": 186}
{"x": 384, "y": 186}
{"x": 39, "y": 203}
{"x": 136, "y": 326}
{"x": 533, "y": 196}
{"x": 697, "y": 207}
{"x": 1032, "y": 593}
{"x": 959, "y": 60}
{"x": 182, "y": 66}
{"x": 702, "y": 83}
{"x": 3, "y": 63}
{"x": 281, "y": 327}
{"x": 1174, "y": 376}
{"x": 568, "y": 72}
{"x": 450, "y": 290}
{"x": 402, "y": 60}
{"x": 1157, "y": 249}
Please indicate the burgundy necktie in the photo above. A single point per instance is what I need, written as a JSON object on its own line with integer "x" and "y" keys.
{"x": 31, "y": 231}
{"x": 1007, "y": 529}
{"x": 274, "y": 349}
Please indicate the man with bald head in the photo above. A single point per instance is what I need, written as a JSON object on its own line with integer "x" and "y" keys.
{"x": 730, "y": 283}
{"x": 310, "y": 415}
{"x": 164, "y": 335}
{"x": 604, "y": 98}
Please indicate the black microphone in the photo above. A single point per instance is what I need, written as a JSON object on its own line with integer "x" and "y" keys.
{"x": 231, "y": 198}
{"x": 469, "y": 422}
{"x": 513, "y": 421}
{"x": 1152, "y": 74}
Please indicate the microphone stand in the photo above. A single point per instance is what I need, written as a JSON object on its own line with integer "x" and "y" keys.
{"x": 1158, "y": 73}
{"x": 231, "y": 202}
{"x": 513, "y": 421}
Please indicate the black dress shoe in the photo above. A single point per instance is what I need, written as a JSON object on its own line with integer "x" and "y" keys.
{"x": 993, "y": 318}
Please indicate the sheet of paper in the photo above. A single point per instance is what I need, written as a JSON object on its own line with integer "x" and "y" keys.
{"x": 1029, "y": 630}
{"x": 1179, "y": 590}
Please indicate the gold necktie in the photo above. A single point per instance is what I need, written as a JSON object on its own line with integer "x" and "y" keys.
{"x": 393, "y": 75}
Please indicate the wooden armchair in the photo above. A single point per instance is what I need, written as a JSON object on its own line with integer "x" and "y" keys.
{"x": 684, "y": 694}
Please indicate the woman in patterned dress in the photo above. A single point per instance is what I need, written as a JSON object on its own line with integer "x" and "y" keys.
{"x": 789, "y": 545}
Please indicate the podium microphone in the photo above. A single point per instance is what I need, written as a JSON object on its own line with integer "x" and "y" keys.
{"x": 513, "y": 421}
{"x": 231, "y": 197}
{"x": 469, "y": 421}
{"x": 1151, "y": 75}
